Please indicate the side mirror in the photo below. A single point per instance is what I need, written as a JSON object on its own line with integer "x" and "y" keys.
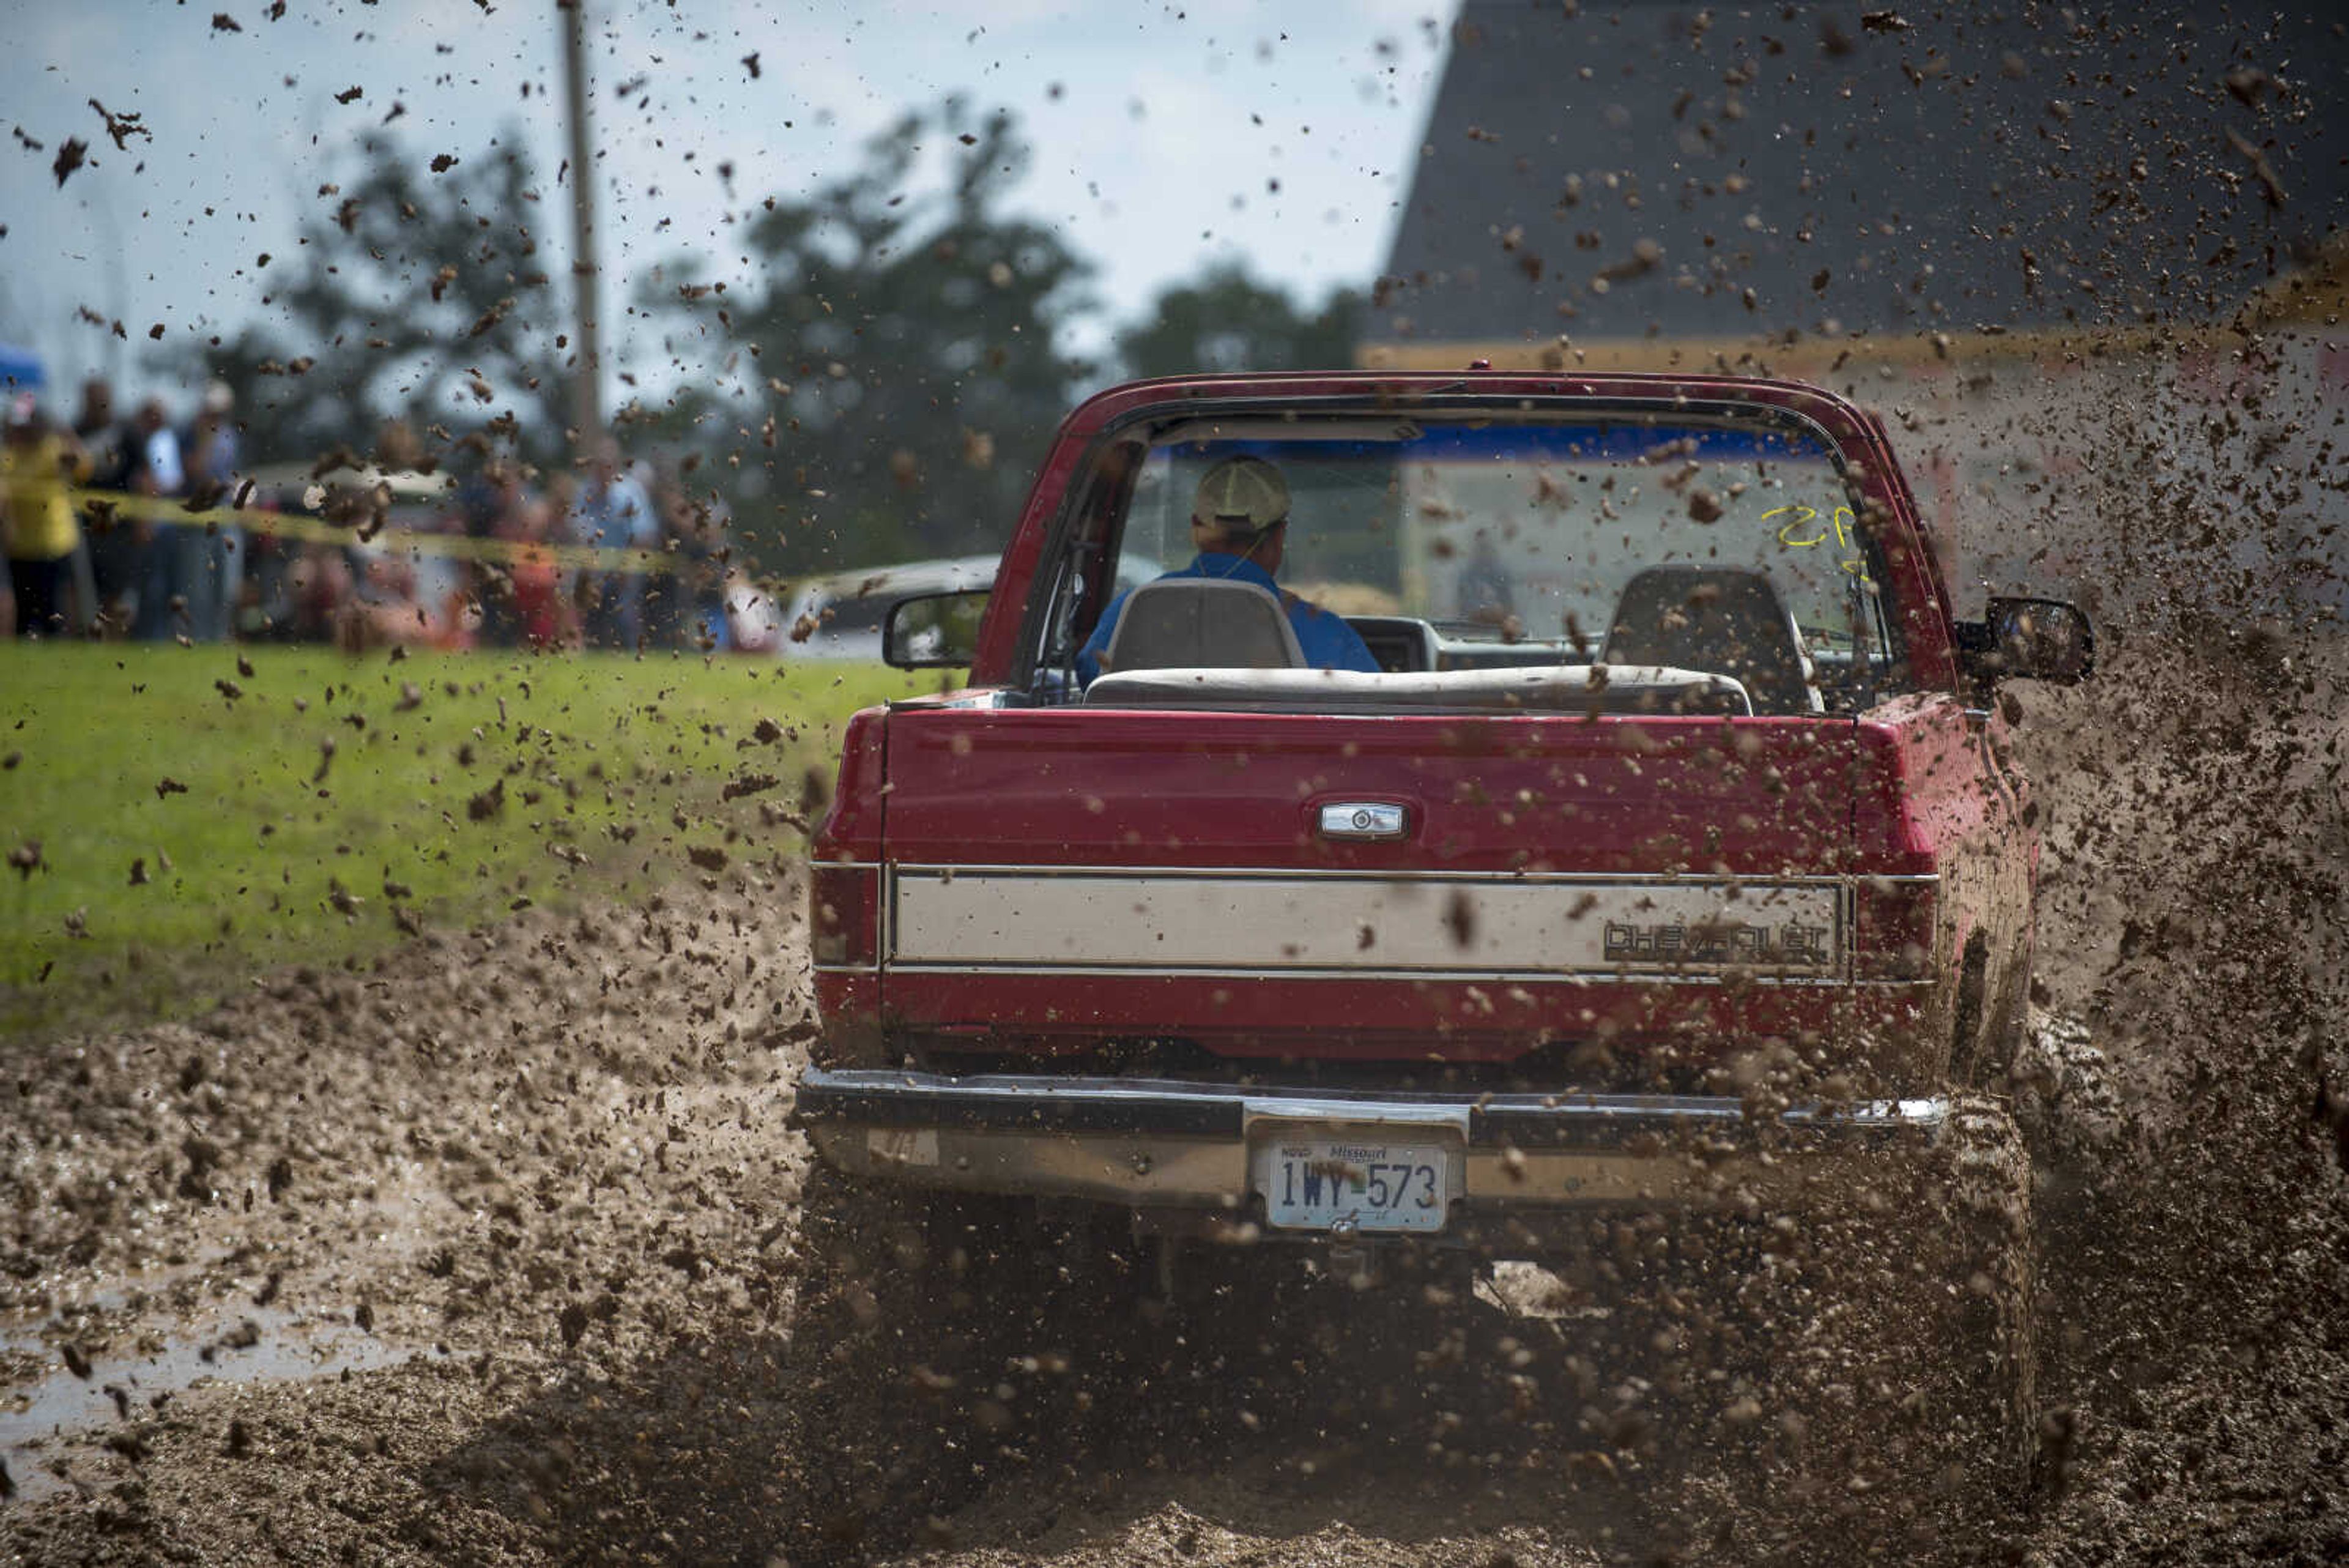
{"x": 935, "y": 631}
{"x": 2028, "y": 639}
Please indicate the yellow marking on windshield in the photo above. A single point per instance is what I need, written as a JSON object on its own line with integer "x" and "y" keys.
{"x": 1840, "y": 523}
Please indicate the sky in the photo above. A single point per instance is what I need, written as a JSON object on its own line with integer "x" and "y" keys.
{"x": 1165, "y": 137}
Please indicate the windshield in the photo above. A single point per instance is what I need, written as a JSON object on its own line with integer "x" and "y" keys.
{"x": 1542, "y": 535}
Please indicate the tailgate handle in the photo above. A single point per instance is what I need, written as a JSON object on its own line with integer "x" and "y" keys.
{"x": 1364, "y": 819}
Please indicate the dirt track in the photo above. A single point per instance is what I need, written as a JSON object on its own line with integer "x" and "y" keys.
{"x": 526, "y": 1197}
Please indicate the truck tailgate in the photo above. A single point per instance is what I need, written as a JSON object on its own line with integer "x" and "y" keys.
{"x": 1376, "y": 889}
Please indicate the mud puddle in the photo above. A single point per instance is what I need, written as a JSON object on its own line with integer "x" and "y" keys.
{"x": 137, "y": 1367}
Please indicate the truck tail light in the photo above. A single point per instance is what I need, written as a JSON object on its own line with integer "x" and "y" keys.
{"x": 844, "y": 914}
{"x": 1893, "y": 922}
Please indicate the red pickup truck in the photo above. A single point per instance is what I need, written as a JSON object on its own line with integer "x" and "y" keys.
{"x": 1671, "y": 861}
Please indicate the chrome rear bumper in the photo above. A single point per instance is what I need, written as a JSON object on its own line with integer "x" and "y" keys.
{"x": 1166, "y": 1144}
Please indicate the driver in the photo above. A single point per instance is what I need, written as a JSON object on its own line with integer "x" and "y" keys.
{"x": 1239, "y": 526}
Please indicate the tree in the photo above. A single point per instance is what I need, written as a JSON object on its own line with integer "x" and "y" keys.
{"x": 1228, "y": 321}
{"x": 891, "y": 355}
{"x": 420, "y": 296}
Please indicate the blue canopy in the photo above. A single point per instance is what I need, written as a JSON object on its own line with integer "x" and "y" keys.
{"x": 20, "y": 369}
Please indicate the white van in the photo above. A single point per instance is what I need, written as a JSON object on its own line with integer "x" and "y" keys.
{"x": 840, "y": 616}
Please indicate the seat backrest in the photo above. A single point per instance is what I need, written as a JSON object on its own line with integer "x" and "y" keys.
{"x": 1201, "y": 623}
{"x": 1725, "y": 619}
{"x": 1553, "y": 689}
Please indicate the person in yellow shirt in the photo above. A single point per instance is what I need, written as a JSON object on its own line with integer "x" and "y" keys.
{"x": 39, "y": 466}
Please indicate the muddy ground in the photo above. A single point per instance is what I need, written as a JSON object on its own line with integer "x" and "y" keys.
{"x": 490, "y": 1252}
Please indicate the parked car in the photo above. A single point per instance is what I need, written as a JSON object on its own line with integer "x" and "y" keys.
{"x": 840, "y": 614}
{"x": 1698, "y": 883}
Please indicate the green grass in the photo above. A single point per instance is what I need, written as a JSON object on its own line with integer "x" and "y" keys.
{"x": 328, "y": 792}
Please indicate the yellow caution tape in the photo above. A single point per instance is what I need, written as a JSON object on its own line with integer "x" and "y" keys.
{"x": 390, "y": 536}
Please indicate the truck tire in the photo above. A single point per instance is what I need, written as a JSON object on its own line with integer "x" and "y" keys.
{"x": 2075, "y": 1103}
{"x": 1888, "y": 1379}
{"x": 1985, "y": 1317}
{"x": 1969, "y": 1052}
{"x": 1957, "y": 1335}
{"x": 922, "y": 1349}
{"x": 2011, "y": 1024}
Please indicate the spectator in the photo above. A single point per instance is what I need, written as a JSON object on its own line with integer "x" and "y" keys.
{"x": 208, "y": 562}
{"x": 667, "y": 603}
{"x": 1486, "y": 595}
{"x": 562, "y": 501}
{"x": 613, "y": 513}
{"x": 110, "y": 542}
{"x": 153, "y": 472}
{"x": 388, "y": 607}
{"x": 38, "y": 465}
{"x": 487, "y": 500}
{"x": 317, "y": 585}
{"x": 540, "y": 606}
{"x": 264, "y": 609}
{"x": 701, "y": 532}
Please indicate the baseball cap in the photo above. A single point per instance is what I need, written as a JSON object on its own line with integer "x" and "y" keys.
{"x": 1241, "y": 495}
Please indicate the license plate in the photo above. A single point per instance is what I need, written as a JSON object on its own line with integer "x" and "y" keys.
{"x": 1326, "y": 1181}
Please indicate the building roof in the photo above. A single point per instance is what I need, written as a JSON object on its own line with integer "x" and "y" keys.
{"x": 1643, "y": 170}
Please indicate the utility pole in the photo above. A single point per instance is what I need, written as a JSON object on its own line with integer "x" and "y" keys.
{"x": 586, "y": 382}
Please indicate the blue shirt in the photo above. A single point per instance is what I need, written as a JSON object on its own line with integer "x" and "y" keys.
{"x": 616, "y": 515}
{"x": 1327, "y": 641}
